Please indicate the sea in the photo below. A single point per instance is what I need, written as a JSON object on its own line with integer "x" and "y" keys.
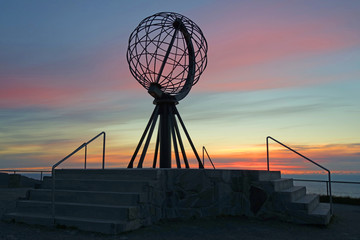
{"x": 349, "y": 189}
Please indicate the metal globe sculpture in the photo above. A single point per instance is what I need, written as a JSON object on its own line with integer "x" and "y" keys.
{"x": 166, "y": 55}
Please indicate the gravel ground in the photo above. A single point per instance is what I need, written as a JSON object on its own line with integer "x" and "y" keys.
{"x": 345, "y": 225}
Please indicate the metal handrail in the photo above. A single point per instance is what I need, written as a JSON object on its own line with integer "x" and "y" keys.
{"x": 68, "y": 156}
{"x": 329, "y": 173}
{"x": 24, "y": 171}
{"x": 325, "y": 181}
{"x": 204, "y": 150}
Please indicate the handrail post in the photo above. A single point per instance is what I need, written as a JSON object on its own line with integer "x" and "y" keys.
{"x": 267, "y": 153}
{"x": 103, "y": 160}
{"x": 330, "y": 200}
{"x": 53, "y": 194}
{"x": 85, "y": 156}
{"x": 203, "y": 156}
{"x": 327, "y": 188}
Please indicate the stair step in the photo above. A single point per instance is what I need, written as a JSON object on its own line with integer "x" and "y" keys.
{"x": 36, "y": 219}
{"x": 277, "y": 184}
{"x": 320, "y": 215}
{"x": 268, "y": 175}
{"x": 114, "y": 201}
{"x": 85, "y": 224}
{"x": 292, "y": 194}
{"x": 108, "y": 174}
{"x": 282, "y": 184}
{"x": 308, "y": 202}
{"x": 79, "y": 210}
{"x": 91, "y": 197}
{"x": 97, "y": 185}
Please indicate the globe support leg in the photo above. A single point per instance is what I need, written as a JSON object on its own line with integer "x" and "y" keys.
{"x": 180, "y": 142}
{"x": 168, "y": 134}
{"x": 156, "y": 149}
{"x": 153, "y": 115}
{"x": 188, "y": 137}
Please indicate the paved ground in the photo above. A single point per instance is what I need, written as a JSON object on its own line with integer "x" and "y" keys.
{"x": 345, "y": 225}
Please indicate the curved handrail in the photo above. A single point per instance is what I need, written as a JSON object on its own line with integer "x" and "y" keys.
{"x": 268, "y": 167}
{"x": 204, "y": 150}
{"x": 68, "y": 156}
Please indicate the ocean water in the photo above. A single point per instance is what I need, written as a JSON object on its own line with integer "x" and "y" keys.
{"x": 337, "y": 189}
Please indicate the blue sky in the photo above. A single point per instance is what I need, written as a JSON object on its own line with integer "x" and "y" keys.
{"x": 289, "y": 69}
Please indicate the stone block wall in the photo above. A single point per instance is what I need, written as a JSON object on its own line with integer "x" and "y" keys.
{"x": 194, "y": 193}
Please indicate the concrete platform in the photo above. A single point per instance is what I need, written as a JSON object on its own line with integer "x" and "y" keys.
{"x": 117, "y": 200}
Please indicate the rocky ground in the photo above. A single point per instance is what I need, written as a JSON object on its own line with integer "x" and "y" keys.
{"x": 345, "y": 225}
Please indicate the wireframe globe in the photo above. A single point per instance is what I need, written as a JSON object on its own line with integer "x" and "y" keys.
{"x": 167, "y": 51}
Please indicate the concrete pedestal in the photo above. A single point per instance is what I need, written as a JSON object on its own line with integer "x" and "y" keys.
{"x": 117, "y": 200}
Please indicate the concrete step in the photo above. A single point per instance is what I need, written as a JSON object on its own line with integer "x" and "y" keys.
{"x": 108, "y": 174}
{"x": 97, "y": 211}
{"x": 150, "y": 174}
{"x": 85, "y": 224}
{"x": 90, "y": 197}
{"x": 291, "y": 194}
{"x": 266, "y": 175}
{"x": 97, "y": 185}
{"x": 277, "y": 184}
{"x": 320, "y": 215}
{"x": 282, "y": 184}
{"x": 306, "y": 203}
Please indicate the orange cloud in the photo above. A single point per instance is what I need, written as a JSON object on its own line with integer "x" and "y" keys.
{"x": 288, "y": 162}
{"x": 280, "y": 159}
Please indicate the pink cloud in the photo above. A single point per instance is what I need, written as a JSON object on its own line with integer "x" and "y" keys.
{"x": 37, "y": 87}
{"x": 24, "y": 95}
{"x": 238, "y": 53}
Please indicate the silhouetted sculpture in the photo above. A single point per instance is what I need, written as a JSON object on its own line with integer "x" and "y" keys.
{"x": 166, "y": 55}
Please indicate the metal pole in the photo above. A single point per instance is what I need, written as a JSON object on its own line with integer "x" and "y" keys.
{"x": 85, "y": 155}
{"x": 53, "y": 195}
{"x": 180, "y": 142}
{"x": 178, "y": 164}
{"x": 203, "y": 156}
{"x": 156, "y": 148}
{"x": 103, "y": 160}
{"x": 189, "y": 139}
{"x": 331, "y": 202}
{"x": 147, "y": 142}
{"x": 155, "y": 112}
{"x": 267, "y": 153}
{"x": 327, "y": 188}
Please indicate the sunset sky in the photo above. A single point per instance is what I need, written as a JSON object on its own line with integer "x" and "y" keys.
{"x": 286, "y": 69}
